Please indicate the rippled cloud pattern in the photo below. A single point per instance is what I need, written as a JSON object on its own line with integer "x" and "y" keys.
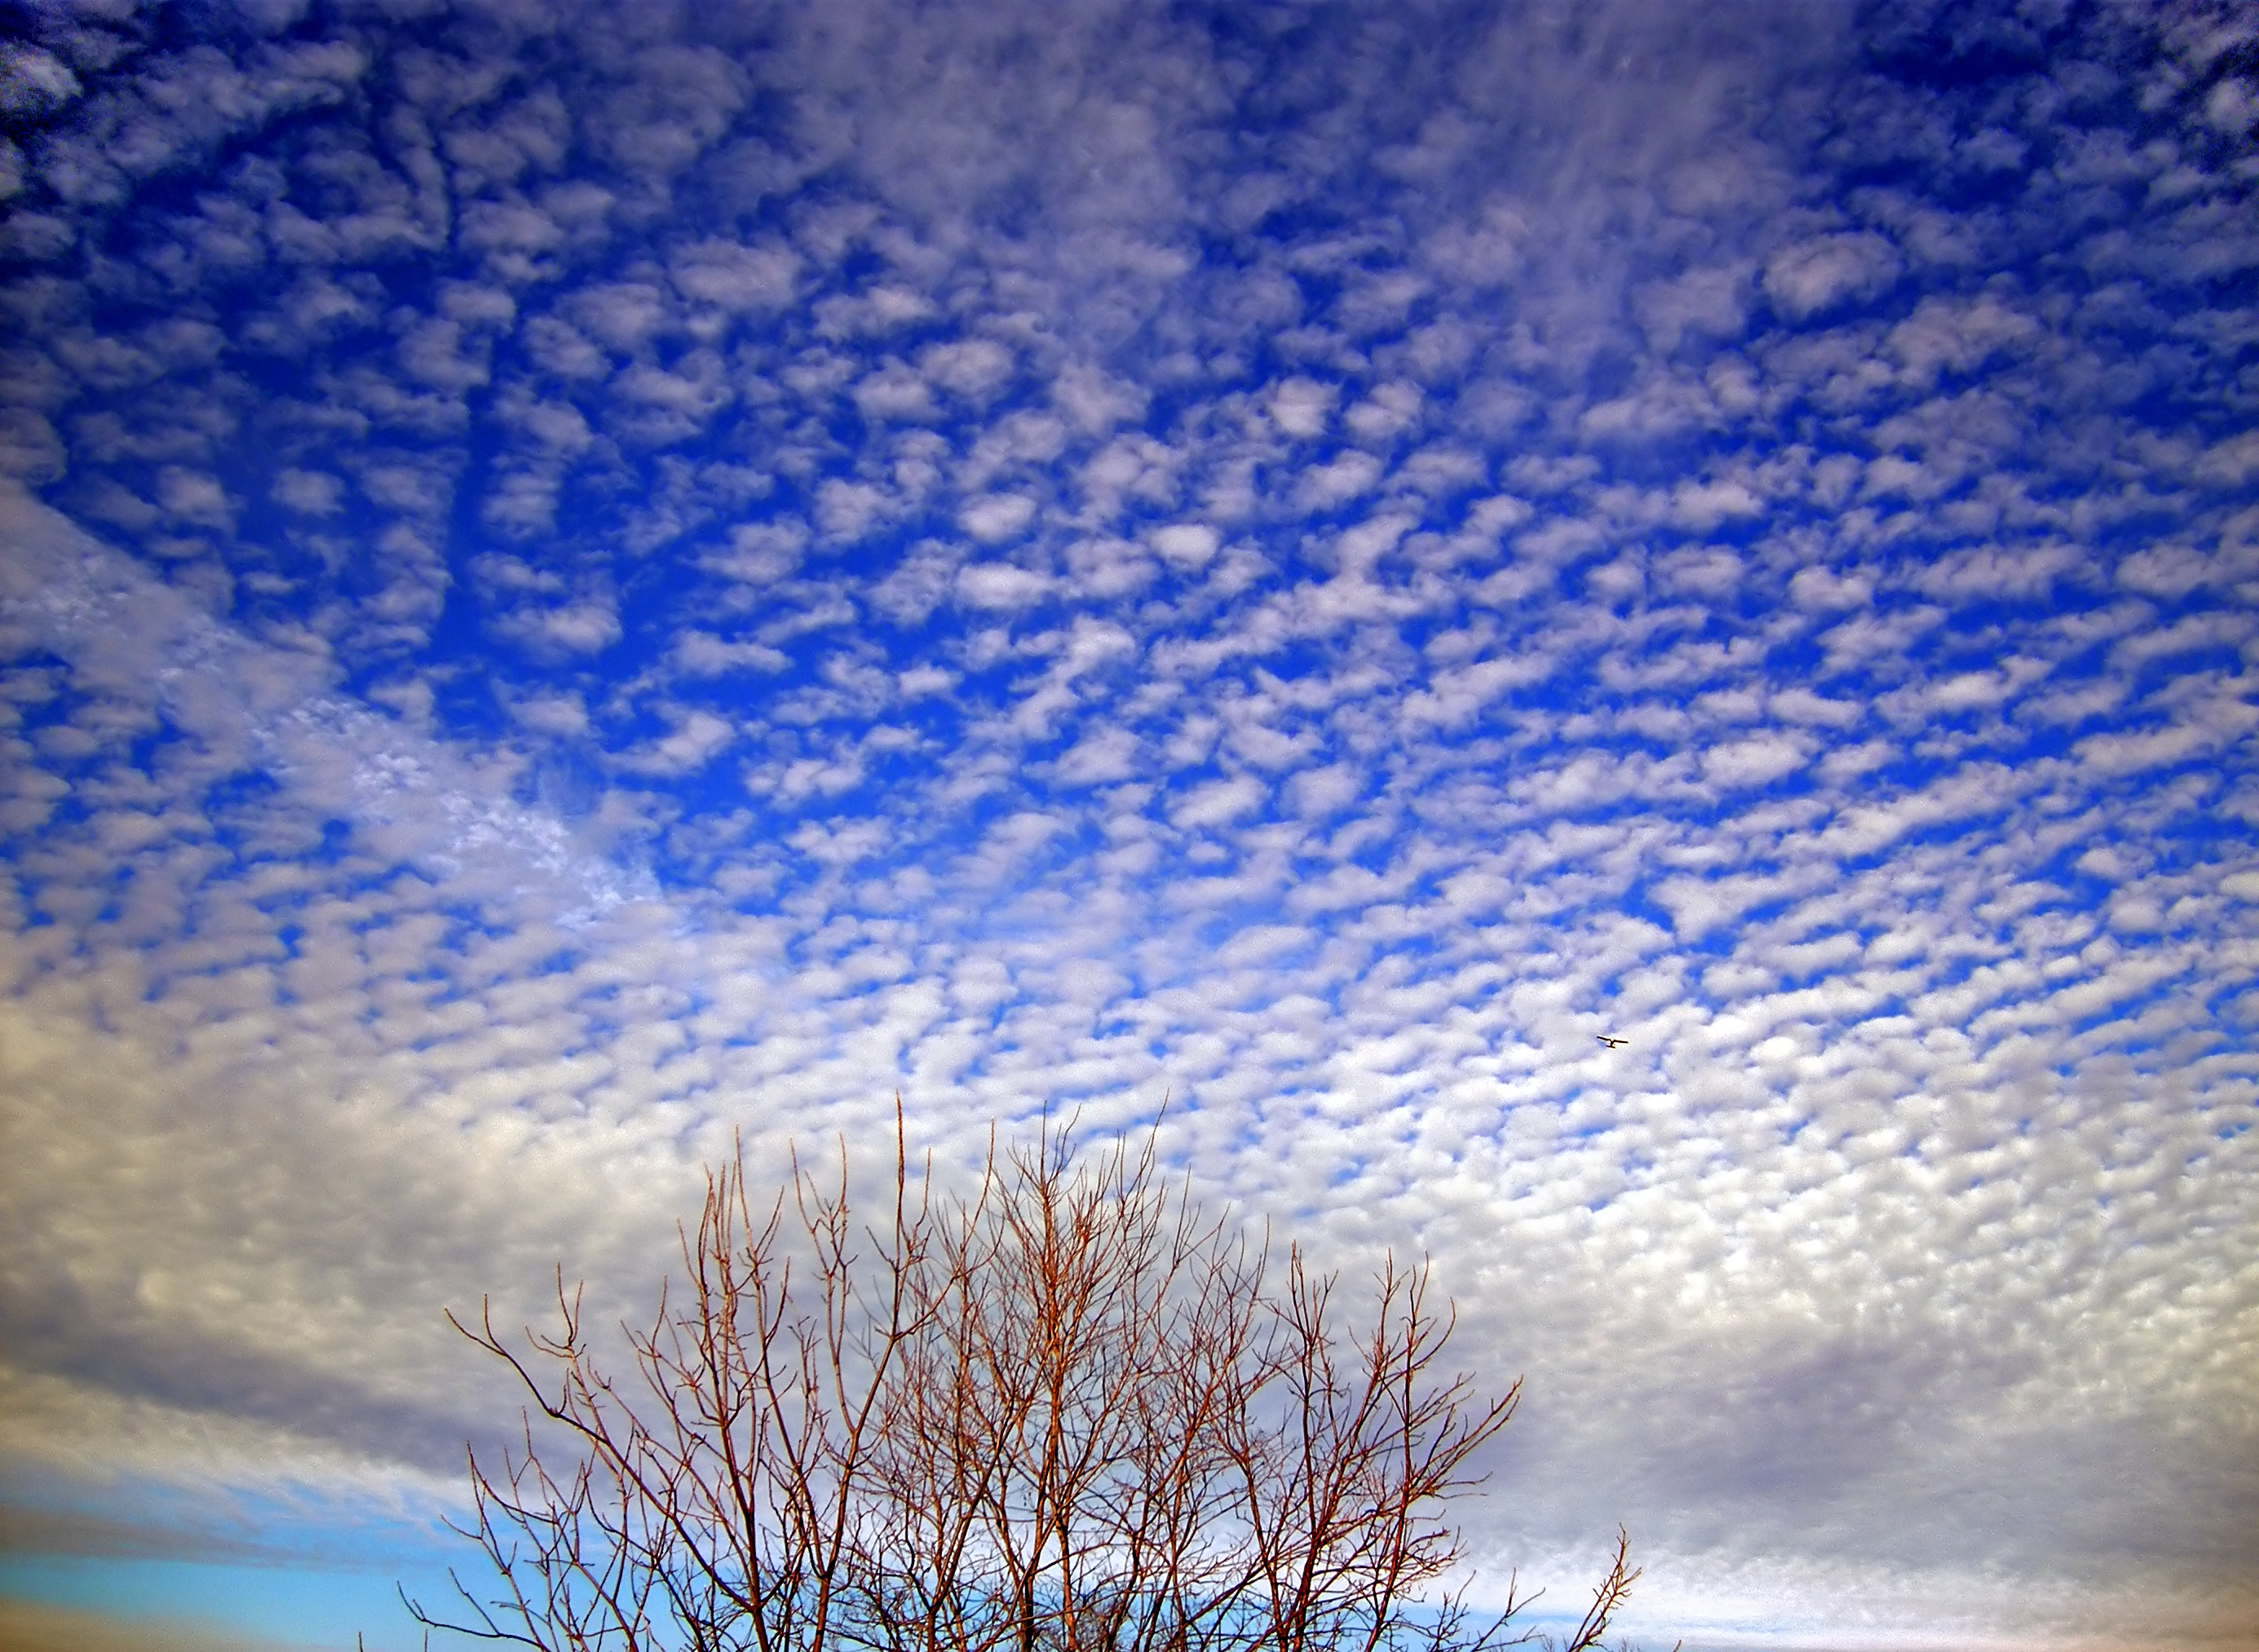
{"x": 580, "y": 579}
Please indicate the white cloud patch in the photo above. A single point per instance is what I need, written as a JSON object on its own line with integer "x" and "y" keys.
{"x": 735, "y": 277}
{"x": 1218, "y": 802}
{"x": 1753, "y": 762}
{"x": 996, "y": 517}
{"x": 698, "y": 739}
{"x": 1186, "y": 544}
{"x": 1000, "y": 586}
{"x": 585, "y": 627}
{"x": 1820, "y": 275}
{"x": 34, "y": 82}
{"x": 1302, "y": 407}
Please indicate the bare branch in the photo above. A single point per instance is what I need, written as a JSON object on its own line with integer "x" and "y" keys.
{"x": 1067, "y": 1413}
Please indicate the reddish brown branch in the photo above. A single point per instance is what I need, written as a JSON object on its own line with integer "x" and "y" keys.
{"x": 1067, "y": 1413}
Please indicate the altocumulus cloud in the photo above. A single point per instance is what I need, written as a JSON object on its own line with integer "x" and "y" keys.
{"x": 580, "y": 579}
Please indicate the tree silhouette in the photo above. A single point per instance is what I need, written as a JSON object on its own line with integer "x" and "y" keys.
{"x": 1066, "y": 1412}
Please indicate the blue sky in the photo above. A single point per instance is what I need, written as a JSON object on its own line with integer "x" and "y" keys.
{"x": 575, "y": 579}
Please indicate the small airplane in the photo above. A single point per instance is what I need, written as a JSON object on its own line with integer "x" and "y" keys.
{"x": 1613, "y": 1044}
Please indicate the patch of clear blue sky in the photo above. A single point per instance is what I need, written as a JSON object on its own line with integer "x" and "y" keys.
{"x": 290, "y": 1605}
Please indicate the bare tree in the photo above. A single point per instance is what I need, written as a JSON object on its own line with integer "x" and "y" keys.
{"x": 1064, "y": 1413}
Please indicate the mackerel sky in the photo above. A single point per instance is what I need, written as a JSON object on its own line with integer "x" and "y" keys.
{"x": 578, "y": 578}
